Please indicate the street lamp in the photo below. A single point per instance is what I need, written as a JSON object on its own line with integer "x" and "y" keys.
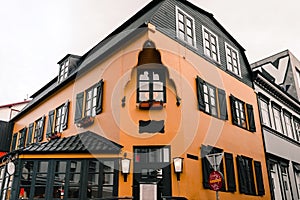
{"x": 178, "y": 166}
{"x": 125, "y": 167}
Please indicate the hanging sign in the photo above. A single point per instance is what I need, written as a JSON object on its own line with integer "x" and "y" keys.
{"x": 11, "y": 168}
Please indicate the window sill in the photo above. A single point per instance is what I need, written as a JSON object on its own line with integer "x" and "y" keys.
{"x": 85, "y": 122}
{"x": 151, "y": 105}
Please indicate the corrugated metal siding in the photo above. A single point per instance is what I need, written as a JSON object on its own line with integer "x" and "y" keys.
{"x": 165, "y": 22}
{"x": 5, "y": 135}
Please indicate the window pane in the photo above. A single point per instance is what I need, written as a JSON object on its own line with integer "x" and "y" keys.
{"x": 158, "y": 96}
{"x": 144, "y": 96}
{"x": 180, "y": 17}
{"x": 144, "y": 76}
{"x": 158, "y": 86}
{"x": 144, "y": 86}
{"x": 108, "y": 166}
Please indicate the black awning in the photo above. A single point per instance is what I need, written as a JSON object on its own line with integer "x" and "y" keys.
{"x": 86, "y": 142}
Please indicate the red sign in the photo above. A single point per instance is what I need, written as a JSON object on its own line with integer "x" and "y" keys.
{"x": 215, "y": 180}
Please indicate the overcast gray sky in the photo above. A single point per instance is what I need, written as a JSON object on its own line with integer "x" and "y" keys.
{"x": 36, "y": 34}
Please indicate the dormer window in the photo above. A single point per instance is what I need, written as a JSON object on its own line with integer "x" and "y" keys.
{"x": 67, "y": 66}
{"x": 64, "y": 70}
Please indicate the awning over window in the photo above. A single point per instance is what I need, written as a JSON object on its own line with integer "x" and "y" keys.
{"x": 87, "y": 142}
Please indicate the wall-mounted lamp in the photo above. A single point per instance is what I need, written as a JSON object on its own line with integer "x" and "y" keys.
{"x": 178, "y": 166}
{"x": 125, "y": 166}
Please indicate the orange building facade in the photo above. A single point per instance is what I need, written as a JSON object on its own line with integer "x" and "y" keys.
{"x": 147, "y": 97}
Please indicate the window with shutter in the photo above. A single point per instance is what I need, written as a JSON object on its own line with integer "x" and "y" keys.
{"x": 22, "y": 138}
{"x": 245, "y": 175}
{"x": 39, "y": 129}
{"x": 89, "y": 103}
{"x": 238, "y": 113}
{"x": 211, "y": 100}
{"x": 29, "y": 134}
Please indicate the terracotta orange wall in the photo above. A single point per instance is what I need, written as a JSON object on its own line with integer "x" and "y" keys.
{"x": 186, "y": 128}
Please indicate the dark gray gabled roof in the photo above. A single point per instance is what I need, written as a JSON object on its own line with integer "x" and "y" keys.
{"x": 87, "y": 142}
{"x": 113, "y": 41}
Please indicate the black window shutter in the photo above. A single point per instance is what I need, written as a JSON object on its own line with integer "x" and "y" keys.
{"x": 206, "y": 168}
{"x": 200, "y": 93}
{"x": 259, "y": 178}
{"x": 41, "y": 133}
{"x": 241, "y": 175}
{"x": 79, "y": 106}
{"x": 251, "y": 121}
{"x": 29, "y": 137}
{"x": 14, "y": 142}
{"x": 222, "y": 104}
{"x": 50, "y": 128}
{"x": 99, "y": 97}
{"x": 231, "y": 186}
{"x": 66, "y": 116}
{"x": 233, "y": 110}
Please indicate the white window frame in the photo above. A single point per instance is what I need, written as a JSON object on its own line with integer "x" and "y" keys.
{"x": 238, "y": 60}
{"x": 217, "y": 44}
{"x": 63, "y": 70}
{"x": 193, "y": 24}
{"x": 265, "y": 112}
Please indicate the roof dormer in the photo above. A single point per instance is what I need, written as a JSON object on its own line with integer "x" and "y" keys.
{"x": 66, "y": 66}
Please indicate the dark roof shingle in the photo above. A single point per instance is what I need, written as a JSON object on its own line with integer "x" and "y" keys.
{"x": 86, "y": 142}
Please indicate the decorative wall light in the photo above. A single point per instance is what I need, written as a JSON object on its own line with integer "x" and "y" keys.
{"x": 178, "y": 166}
{"x": 125, "y": 167}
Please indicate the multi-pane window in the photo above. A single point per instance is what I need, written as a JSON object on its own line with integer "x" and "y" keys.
{"x": 185, "y": 27}
{"x": 89, "y": 102}
{"x": 68, "y": 179}
{"x": 297, "y": 129}
{"x": 275, "y": 181}
{"x": 6, "y": 180}
{"x": 288, "y": 125}
{"x": 233, "y": 64}
{"x": 63, "y": 70}
{"x": 211, "y": 100}
{"x": 22, "y": 138}
{"x": 152, "y": 164}
{"x": 39, "y": 129}
{"x": 264, "y": 110}
{"x": 211, "y": 48}
{"x": 297, "y": 177}
{"x": 277, "y": 118}
{"x": 285, "y": 182}
{"x": 151, "y": 85}
{"x": 58, "y": 119}
{"x": 238, "y": 112}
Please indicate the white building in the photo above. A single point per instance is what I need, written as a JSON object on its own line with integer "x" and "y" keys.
{"x": 277, "y": 84}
